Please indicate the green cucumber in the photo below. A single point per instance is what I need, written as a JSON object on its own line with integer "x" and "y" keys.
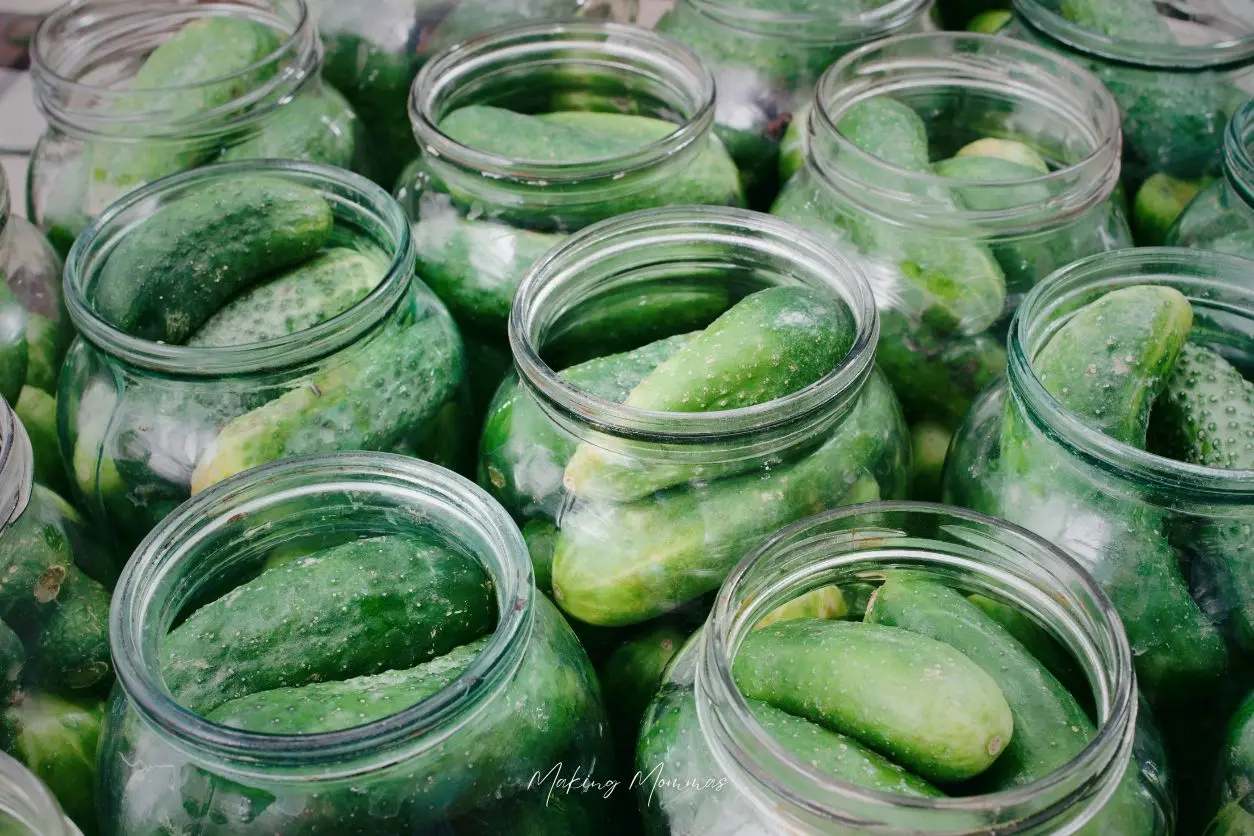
{"x": 357, "y": 609}
{"x": 14, "y": 351}
{"x": 85, "y": 543}
{"x": 207, "y": 64}
{"x": 375, "y": 395}
{"x": 12, "y": 661}
{"x": 295, "y": 299}
{"x": 768, "y": 345}
{"x": 37, "y": 411}
{"x": 44, "y": 350}
{"x": 623, "y": 563}
{"x": 340, "y": 704}
{"x": 1051, "y": 727}
{"x": 1123, "y": 20}
{"x": 57, "y": 740}
{"x": 929, "y": 444}
{"x": 317, "y": 126}
{"x": 1044, "y": 647}
{"x": 913, "y": 699}
{"x": 629, "y": 678}
{"x": 1158, "y": 203}
{"x": 175, "y": 270}
{"x": 1007, "y": 150}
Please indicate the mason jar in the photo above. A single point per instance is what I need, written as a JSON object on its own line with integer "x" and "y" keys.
{"x": 1167, "y": 540}
{"x": 145, "y": 424}
{"x": 1177, "y": 77}
{"x": 706, "y": 764}
{"x": 949, "y": 257}
{"x": 766, "y": 58}
{"x": 26, "y": 806}
{"x": 479, "y": 755}
{"x": 1221, "y": 216}
{"x": 107, "y": 137}
{"x": 482, "y": 217}
{"x": 34, "y": 334}
{"x": 634, "y": 513}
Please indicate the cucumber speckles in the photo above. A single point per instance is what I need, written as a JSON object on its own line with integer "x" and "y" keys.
{"x": 1206, "y": 414}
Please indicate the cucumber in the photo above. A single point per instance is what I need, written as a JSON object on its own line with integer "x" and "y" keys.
{"x": 1122, "y": 20}
{"x": 14, "y": 351}
{"x": 174, "y": 81}
{"x": 1043, "y": 646}
{"x": 623, "y": 563}
{"x": 541, "y": 536}
{"x": 317, "y": 126}
{"x": 913, "y": 699}
{"x": 57, "y": 739}
{"x": 175, "y": 270}
{"x": 536, "y": 813}
{"x": 1007, "y": 150}
{"x": 792, "y": 149}
{"x": 44, "y": 351}
{"x": 630, "y": 677}
{"x": 296, "y": 299}
{"x": 929, "y": 444}
{"x": 340, "y": 704}
{"x": 1051, "y": 728}
{"x": 1235, "y": 768}
{"x": 824, "y": 602}
{"x": 373, "y": 396}
{"x": 37, "y": 411}
{"x": 368, "y": 606}
{"x": 523, "y": 454}
{"x": 12, "y": 661}
{"x": 770, "y": 344}
{"x": 85, "y": 543}
{"x": 990, "y": 22}
{"x": 1158, "y": 203}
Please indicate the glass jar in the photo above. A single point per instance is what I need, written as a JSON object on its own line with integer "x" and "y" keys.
{"x": 104, "y": 140}
{"x": 1221, "y": 216}
{"x": 26, "y": 806}
{"x": 1164, "y": 538}
{"x": 766, "y": 58}
{"x": 1177, "y": 81}
{"x": 374, "y": 48}
{"x": 697, "y": 489}
{"x": 706, "y": 765}
{"x": 33, "y": 335}
{"x": 949, "y": 258}
{"x": 481, "y": 219}
{"x": 145, "y": 424}
{"x": 483, "y": 750}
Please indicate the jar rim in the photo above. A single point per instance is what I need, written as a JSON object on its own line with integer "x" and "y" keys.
{"x": 134, "y": 618}
{"x": 731, "y": 619}
{"x": 298, "y": 57}
{"x": 25, "y": 797}
{"x": 817, "y": 26}
{"x": 1238, "y": 163}
{"x": 17, "y": 463}
{"x": 971, "y": 61}
{"x": 638, "y": 232}
{"x": 287, "y": 351}
{"x": 1182, "y": 57}
{"x": 1210, "y": 272}
{"x": 656, "y": 54}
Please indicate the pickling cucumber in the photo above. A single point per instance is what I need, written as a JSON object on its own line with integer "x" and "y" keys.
{"x": 228, "y": 51}
{"x": 193, "y": 254}
{"x": 37, "y": 411}
{"x": 317, "y": 126}
{"x": 824, "y": 602}
{"x": 358, "y": 609}
{"x": 623, "y": 563}
{"x": 630, "y": 677}
{"x": 1158, "y": 205}
{"x": 1235, "y": 770}
{"x": 915, "y": 700}
{"x": 770, "y": 344}
{"x": 296, "y": 299}
{"x": 45, "y": 348}
{"x": 1044, "y": 647}
{"x": 1124, "y": 20}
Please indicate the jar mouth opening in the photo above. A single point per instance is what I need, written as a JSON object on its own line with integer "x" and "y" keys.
{"x": 76, "y": 83}
{"x": 1215, "y": 282}
{"x": 1182, "y": 57}
{"x": 1019, "y": 91}
{"x": 820, "y": 26}
{"x": 704, "y": 238}
{"x": 144, "y": 605}
{"x": 488, "y": 67}
{"x": 352, "y": 197}
{"x": 788, "y": 563}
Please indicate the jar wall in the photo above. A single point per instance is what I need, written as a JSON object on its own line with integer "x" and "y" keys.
{"x": 106, "y": 139}
{"x": 26, "y": 807}
{"x": 144, "y": 425}
{"x": 1220, "y": 217}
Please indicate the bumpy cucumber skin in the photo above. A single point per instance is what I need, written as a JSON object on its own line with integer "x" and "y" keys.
{"x": 1043, "y": 646}
{"x": 294, "y": 300}
{"x": 358, "y": 609}
{"x": 57, "y": 739}
{"x": 623, "y": 563}
{"x": 376, "y": 395}
{"x": 770, "y": 344}
{"x": 912, "y": 698}
{"x": 1158, "y": 204}
{"x": 37, "y": 411}
{"x": 824, "y": 602}
{"x": 317, "y": 126}
{"x": 206, "y": 49}
{"x": 629, "y": 679}
{"x": 181, "y": 265}
{"x": 341, "y": 704}
{"x": 928, "y": 443}
{"x": 45, "y": 348}
{"x": 1125, "y": 20}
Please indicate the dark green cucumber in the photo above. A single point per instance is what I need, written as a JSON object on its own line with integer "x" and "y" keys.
{"x": 1044, "y": 647}
{"x": 37, "y": 411}
{"x": 989, "y": 22}
{"x": 770, "y": 344}
{"x": 541, "y": 536}
{"x": 377, "y": 396}
{"x": 12, "y": 661}
{"x": 792, "y": 147}
{"x": 1205, "y": 414}
{"x": 45, "y": 347}
{"x": 929, "y": 444}
{"x": 295, "y": 299}
{"x": 228, "y": 51}
{"x": 367, "y": 606}
{"x": 623, "y": 563}
{"x": 1235, "y": 768}
{"x": 630, "y": 677}
{"x": 190, "y": 257}
{"x": 915, "y": 700}
{"x": 341, "y": 704}
{"x": 315, "y": 126}
{"x": 1158, "y": 203}
{"x": 57, "y": 739}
